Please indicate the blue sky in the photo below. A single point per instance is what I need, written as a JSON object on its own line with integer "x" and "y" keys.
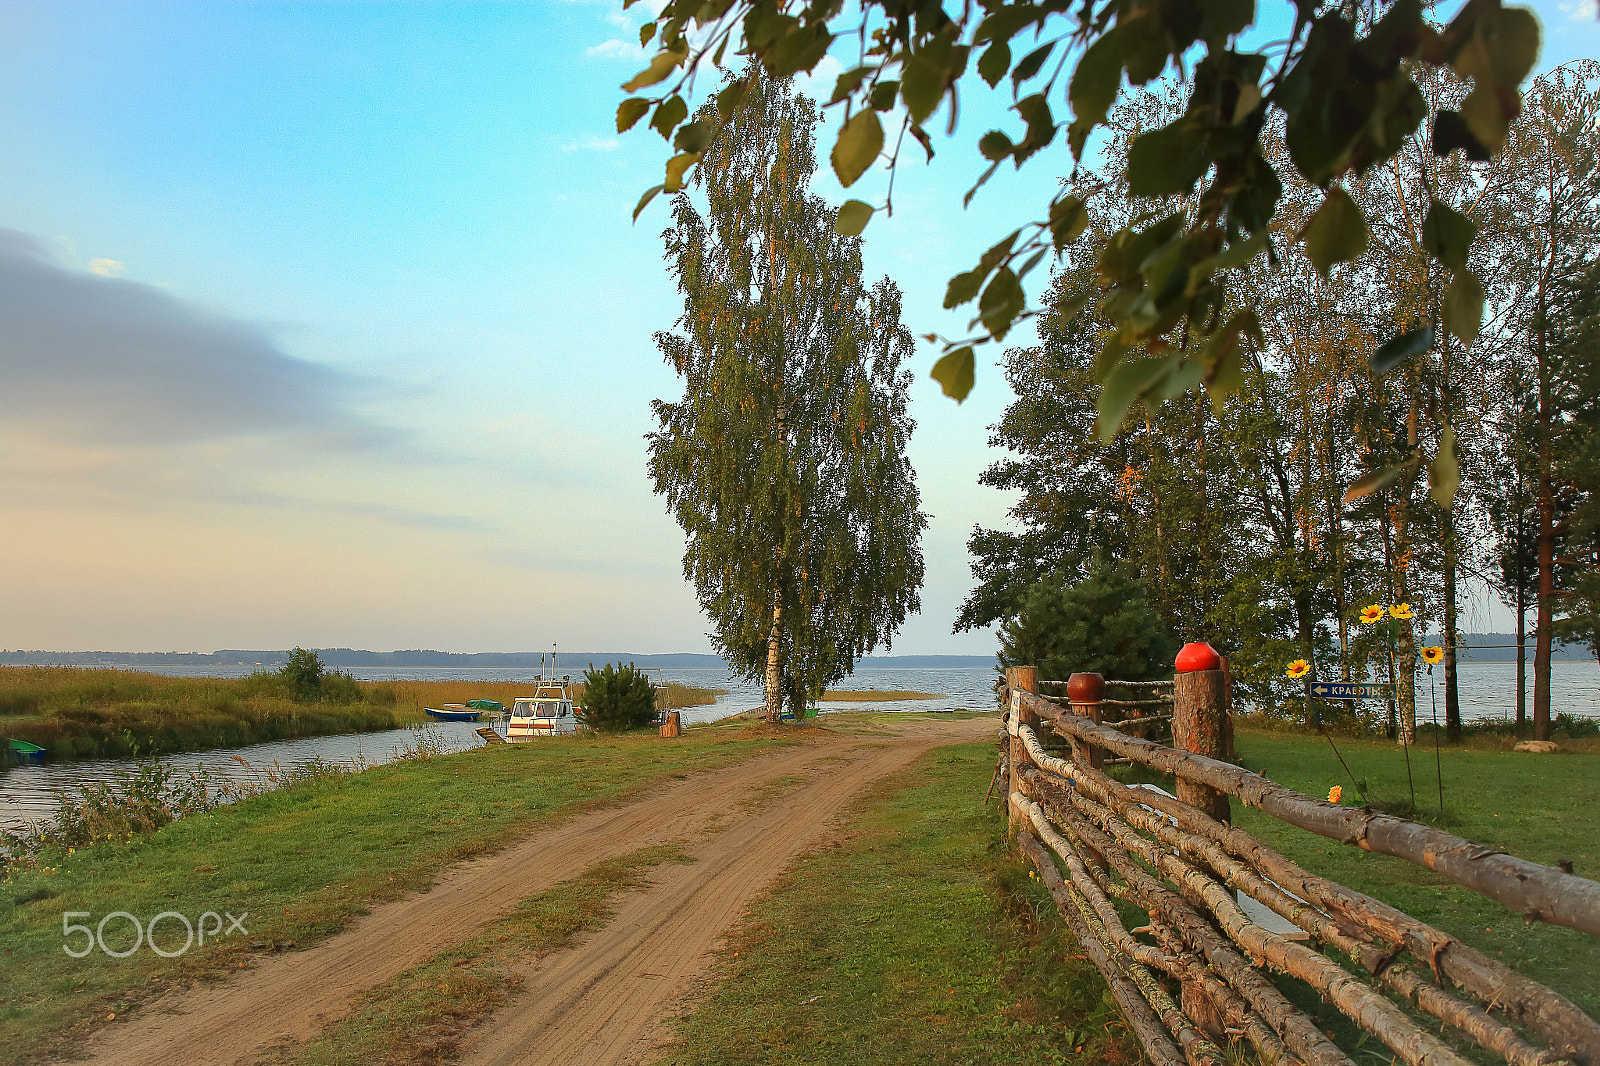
{"x": 326, "y": 324}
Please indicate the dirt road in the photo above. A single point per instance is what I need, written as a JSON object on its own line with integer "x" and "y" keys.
{"x": 657, "y": 944}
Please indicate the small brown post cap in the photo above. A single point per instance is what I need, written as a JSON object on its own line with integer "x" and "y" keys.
{"x": 1086, "y": 688}
{"x": 1197, "y": 656}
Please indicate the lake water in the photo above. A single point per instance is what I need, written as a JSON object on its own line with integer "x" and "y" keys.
{"x": 1488, "y": 690}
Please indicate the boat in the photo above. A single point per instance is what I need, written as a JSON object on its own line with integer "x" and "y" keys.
{"x": 454, "y": 712}
{"x": 549, "y": 712}
{"x": 22, "y": 753}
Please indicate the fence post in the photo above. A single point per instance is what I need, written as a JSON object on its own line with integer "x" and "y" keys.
{"x": 1085, "y": 691}
{"x": 1019, "y": 679}
{"x": 1200, "y": 720}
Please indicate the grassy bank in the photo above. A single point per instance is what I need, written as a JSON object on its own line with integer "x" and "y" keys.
{"x": 918, "y": 940}
{"x": 78, "y": 713}
{"x": 270, "y": 855}
{"x": 1545, "y": 808}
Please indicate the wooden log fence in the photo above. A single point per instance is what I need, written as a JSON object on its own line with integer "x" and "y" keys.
{"x": 1221, "y": 907}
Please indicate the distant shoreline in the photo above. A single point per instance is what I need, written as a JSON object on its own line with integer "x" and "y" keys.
{"x": 1472, "y": 650}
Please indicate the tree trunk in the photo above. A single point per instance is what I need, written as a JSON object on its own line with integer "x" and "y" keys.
{"x": 774, "y": 690}
{"x": 1543, "y": 631}
{"x": 1452, "y": 692}
{"x": 1522, "y": 661}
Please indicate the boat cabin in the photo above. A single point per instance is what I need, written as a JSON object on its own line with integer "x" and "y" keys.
{"x": 547, "y": 713}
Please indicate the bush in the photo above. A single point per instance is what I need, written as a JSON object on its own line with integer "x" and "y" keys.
{"x": 303, "y": 674}
{"x": 1102, "y": 624}
{"x": 617, "y": 699}
{"x": 337, "y": 687}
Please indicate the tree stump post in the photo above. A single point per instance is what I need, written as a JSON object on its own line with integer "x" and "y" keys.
{"x": 673, "y": 726}
{"x": 1200, "y": 720}
{"x": 1019, "y": 679}
{"x": 1086, "y": 691}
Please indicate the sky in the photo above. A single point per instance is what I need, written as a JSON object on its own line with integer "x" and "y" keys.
{"x": 325, "y": 324}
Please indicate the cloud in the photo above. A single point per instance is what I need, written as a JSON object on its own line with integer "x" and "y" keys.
{"x": 106, "y": 268}
{"x": 94, "y": 357}
{"x": 1580, "y": 10}
{"x": 616, "y": 48}
{"x": 591, "y": 143}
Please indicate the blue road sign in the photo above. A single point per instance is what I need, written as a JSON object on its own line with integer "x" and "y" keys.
{"x": 1351, "y": 690}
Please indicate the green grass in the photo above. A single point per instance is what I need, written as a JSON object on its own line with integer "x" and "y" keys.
{"x": 918, "y": 940}
{"x": 303, "y": 862}
{"x": 84, "y": 713}
{"x": 1543, "y": 808}
{"x": 418, "y": 1015}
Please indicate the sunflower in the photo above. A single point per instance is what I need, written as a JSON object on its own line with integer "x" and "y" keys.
{"x": 1298, "y": 668}
{"x": 1433, "y": 656}
{"x": 1401, "y": 611}
{"x": 1334, "y": 793}
{"x": 1371, "y": 614}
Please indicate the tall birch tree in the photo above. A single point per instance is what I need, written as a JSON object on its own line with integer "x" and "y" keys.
{"x": 784, "y": 461}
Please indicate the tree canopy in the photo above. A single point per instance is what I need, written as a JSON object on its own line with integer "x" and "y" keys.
{"x": 784, "y": 462}
{"x": 1343, "y": 90}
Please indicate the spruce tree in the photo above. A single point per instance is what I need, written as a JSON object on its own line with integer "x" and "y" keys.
{"x": 784, "y": 461}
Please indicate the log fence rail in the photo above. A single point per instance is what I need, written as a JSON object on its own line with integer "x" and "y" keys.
{"x": 1219, "y": 909}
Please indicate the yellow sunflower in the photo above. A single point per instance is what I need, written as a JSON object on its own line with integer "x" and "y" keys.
{"x": 1401, "y": 611}
{"x": 1433, "y": 656}
{"x": 1334, "y": 793}
{"x": 1298, "y": 668}
{"x": 1371, "y": 614}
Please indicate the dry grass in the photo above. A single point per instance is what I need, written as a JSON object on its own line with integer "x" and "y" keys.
{"x": 870, "y": 694}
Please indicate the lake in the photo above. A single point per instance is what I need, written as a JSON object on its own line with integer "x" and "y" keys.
{"x": 1488, "y": 690}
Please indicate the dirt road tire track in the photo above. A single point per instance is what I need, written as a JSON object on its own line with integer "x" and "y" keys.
{"x": 287, "y": 999}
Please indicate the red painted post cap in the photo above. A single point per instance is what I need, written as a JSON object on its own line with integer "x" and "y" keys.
{"x": 1086, "y": 688}
{"x": 1197, "y": 656}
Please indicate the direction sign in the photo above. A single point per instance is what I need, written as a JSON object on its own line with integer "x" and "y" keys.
{"x": 1350, "y": 690}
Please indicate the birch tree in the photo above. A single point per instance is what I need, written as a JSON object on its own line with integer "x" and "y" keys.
{"x": 784, "y": 461}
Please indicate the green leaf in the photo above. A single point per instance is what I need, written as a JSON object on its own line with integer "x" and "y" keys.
{"x": 1450, "y": 132}
{"x": 964, "y": 286}
{"x": 955, "y": 373}
{"x": 1369, "y": 483}
{"x": 1030, "y": 64}
{"x": 630, "y": 111}
{"x": 1401, "y": 347}
{"x": 1097, "y": 79}
{"x": 994, "y": 63}
{"x": 1489, "y": 114}
{"x": 693, "y": 136}
{"x": 1033, "y": 261}
{"x": 1167, "y": 161}
{"x": 848, "y": 83}
{"x": 729, "y": 99}
{"x": 669, "y": 113}
{"x": 853, "y": 218}
{"x": 858, "y": 145}
{"x": 995, "y": 145}
{"x": 1447, "y": 235}
{"x": 883, "y": 95}
{"x": 677, "y": 167}
{"x": 1444, "y": 473}
{"x": 1002, "y": 301}
{"x": 1337, "y": 233}
{"x": 1128, "y": 381}
{"x": 929, "y": 73}
{"x": 1249, "y": 99}
{"x": 647, "y": 31}
{"x": 650, "y": 194}
{"x": 1463, "y": 306}
{"x": 1035, "y": 111}
{"x": 1223, "y": 356}
{"x": 660, "y": 68}
{"x": 1068, "y": 218}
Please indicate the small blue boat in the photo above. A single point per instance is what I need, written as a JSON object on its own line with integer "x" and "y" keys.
{"x": 454, "y": 712}
{"x": 22, "y": 753}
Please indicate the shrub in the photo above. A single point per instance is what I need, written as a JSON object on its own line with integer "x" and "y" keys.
{"x": 617, "y": 699}
{"x": 337, "y": 687}
{"x": 1102, "y": 624}
{"x": 303, "y": 673}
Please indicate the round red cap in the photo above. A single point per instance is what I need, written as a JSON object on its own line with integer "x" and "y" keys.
{"x": 1197, "y": 656}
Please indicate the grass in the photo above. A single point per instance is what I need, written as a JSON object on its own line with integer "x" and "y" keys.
{"x": 418, "y": 1015}
{"x": 396, "y": 826}
{"x": 920, "y": 939}
{"x": 1544, "y": 808}
{"x": 81, "y": 713}
{"x": 869, "y": 694}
